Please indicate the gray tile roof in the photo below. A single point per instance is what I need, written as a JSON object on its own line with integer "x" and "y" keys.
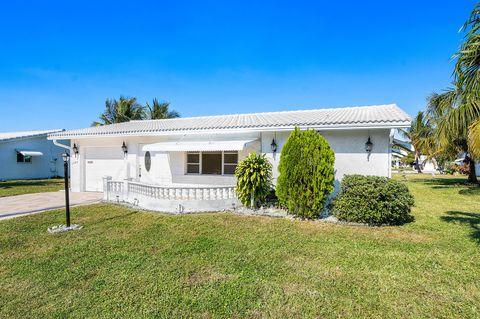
{"x": 8, "y": 136}
{"x": 362, "y": 116}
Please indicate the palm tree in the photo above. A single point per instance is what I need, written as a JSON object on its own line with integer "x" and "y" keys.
{"x": 467, "y": 66}
{"x": 420, "y": 136}
{"x": 455, "y": 111}
{"x": 121, "y": 110}
{"x": 467, "y": 74}
{"x": 159, "y": 110}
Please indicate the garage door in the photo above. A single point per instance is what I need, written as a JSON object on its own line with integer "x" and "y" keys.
{"x": 100, "y": 162}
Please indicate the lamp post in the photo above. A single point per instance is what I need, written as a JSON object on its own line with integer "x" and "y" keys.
{"x": 66, "y": 158}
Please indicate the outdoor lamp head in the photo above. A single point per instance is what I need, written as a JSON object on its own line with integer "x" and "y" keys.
{"x": 75, "y": 148}
{"x": 124, "y": 148}
{"x": 273, "y": 146}
{"x": 65, "y": 157}
{"x": 368, "y": 145}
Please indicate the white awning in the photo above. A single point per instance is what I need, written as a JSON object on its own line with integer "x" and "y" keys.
{"x": 193, "y": 146}
{"x": 30, "y": 153}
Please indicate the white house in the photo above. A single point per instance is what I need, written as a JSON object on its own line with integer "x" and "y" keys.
{"x": 187, "y": 164}
{"x": 29, "y": 155}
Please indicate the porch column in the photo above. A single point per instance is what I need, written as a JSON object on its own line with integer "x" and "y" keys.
{"x": 106, "y": 179}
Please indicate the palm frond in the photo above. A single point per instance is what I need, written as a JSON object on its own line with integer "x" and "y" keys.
{"x": 474, "y": 139}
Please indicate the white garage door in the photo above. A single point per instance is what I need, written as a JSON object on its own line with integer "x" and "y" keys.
{"x": 100, "y": 162}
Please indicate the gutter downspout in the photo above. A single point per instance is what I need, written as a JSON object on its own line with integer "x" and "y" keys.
{"x": 62, "y": 145}
{"x": 391, "y": 137}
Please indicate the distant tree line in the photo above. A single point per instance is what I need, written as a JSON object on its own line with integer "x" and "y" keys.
{"x": 127, "y": 109}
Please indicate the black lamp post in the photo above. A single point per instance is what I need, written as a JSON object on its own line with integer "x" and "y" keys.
{"x": 66, "y": 158}
{"x": 124, "y": 149}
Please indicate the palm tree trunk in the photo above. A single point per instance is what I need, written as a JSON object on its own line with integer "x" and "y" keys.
{"x": 472, "y": 175}
{"x": 417, "y": 165}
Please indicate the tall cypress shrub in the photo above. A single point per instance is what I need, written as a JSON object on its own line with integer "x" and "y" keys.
{"x": 306, "y": 173}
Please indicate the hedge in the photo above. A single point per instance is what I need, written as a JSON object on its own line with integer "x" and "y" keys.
{"x": 373, "y": 200}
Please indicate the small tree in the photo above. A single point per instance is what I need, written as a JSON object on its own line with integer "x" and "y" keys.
{"x": 306, "y": 173}
{"x": 254, "y": 180}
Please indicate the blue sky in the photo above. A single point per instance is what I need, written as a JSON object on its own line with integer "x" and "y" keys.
{"x": 60, "y": 60}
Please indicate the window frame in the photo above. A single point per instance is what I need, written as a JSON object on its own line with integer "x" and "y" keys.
{"x": 228, "y": 164}
{"x": 25, "y": 159}
{"x": 200, "y": 164}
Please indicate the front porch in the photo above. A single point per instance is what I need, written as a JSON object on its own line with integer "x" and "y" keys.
{"x": 171, "y": 198}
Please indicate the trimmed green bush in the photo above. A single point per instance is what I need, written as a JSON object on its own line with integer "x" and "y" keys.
{"x": 373, "y": 200}
{"x": 254, "y": 180}
{"x": 306, "y": 173}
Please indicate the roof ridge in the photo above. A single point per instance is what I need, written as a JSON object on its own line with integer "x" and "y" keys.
{"x": 32, "y": 131}
{"x": 268, "y": 113}
{"x": 380, "y": 115}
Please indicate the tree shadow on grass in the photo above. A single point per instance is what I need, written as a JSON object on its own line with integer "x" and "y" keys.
{"x": 116, "y": 217}
{"x": 470, "y": 191}
{"x": 465, "y": 188}
{"x": 465, "y": 218}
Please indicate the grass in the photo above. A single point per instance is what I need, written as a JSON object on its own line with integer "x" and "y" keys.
{"x": 20, "y": 187}
{"x": 127, "y": 263}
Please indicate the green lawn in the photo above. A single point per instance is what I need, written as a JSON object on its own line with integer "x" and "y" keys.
{"x": 11, "y": 188}
{"x": 131, "y": 264}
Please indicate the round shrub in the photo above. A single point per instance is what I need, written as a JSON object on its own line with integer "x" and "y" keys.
{"x": 306, "y": 173}
{"x": 254, "y": 180}
{"x": 373, "y": 200}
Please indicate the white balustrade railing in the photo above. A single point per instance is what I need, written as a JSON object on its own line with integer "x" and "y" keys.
{"x": 173, "y": 192}
{"x": 115, "y": 187}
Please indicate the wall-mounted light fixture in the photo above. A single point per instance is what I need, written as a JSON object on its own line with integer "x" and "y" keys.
{"x": 368, "y": 146}
{"x": 75, "y": 149}
{"x": 273, "y": 146}
{"x": 124, "y": 148}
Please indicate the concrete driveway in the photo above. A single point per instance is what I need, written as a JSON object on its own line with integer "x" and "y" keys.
{"x": 15, "y": 206}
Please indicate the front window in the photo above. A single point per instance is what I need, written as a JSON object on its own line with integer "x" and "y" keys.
{"x": 23, "y": 158}
{"x": 193, "y": 163}
{"x": 212, "y": 163}
{"x": 230, "y": 160}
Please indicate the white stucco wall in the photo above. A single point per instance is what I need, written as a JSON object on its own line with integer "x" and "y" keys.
{"x": 46, "y": 166}
{"x": 349, "y": 147}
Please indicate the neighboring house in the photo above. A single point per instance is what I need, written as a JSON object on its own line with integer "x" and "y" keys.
{"x": 178, "y": 164}
{"x": 400, "y": 150}
{"x": 403, "y": 147}
{"x": 428, "y": 165}
{"x": 397, "y": 155}
{"x": 29, "y": 155}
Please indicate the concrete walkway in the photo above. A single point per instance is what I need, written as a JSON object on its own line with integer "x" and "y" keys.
{"x": 20, "y": 205}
